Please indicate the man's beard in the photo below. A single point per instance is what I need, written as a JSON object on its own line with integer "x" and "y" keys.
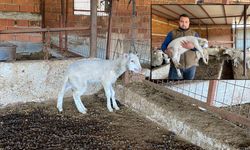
{"x": 183, "y": 29}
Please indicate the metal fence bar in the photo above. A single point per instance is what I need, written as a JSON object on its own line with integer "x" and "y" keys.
{"x": 223, "y": 113}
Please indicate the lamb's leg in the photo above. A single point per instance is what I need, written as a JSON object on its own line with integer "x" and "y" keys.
{"x": 199, "y": 48}
{"x": 248, "y": 64}
{"x": 179, "y": 73}
{"x": 236, "y": 62}
{"x": 65, "y": 88}
{"x": 77, "y": 92}
{"x": 176, "y": 60}
{"x": 113, "y": 99}
{"x": 177, "y": 65}
{"x": 107, "y": 90}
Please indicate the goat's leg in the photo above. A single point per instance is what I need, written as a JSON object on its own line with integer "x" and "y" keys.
{"x": 107, "y": 90}
{"x": 113, "y": 98}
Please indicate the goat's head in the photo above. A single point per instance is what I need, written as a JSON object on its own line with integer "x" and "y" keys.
{"x": 133, "y": 63}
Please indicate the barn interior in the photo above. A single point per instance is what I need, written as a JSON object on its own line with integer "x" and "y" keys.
{"x": 39, "y": 39}
{"x": 223, "y": 25}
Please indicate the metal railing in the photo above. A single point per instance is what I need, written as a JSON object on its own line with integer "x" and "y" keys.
{"x": 229, "y": 98}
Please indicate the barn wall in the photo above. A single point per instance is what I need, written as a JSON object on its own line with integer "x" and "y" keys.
{"x": 122, "y": 26}
{"x": 215, "y": 33}
{"x": 18, "y": 15}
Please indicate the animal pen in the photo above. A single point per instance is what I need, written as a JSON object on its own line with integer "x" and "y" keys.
{"x": 155, "y": 113}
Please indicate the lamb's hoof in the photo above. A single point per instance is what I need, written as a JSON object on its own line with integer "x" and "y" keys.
{"x": 60, "y": 109}
{"x": 117, "y": 108}
{"x": 178, "y": 66}
{"x": 84, "y": 112}
{"x": 111, "y": 110}
{"x": 179, "y": 75}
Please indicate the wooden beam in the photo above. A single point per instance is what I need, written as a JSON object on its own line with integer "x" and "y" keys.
{"x": 190, "y": 12}
{"x": 207, "y": 14}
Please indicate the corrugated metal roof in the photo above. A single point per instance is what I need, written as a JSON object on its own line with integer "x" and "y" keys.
{"x": 212, "y": 14}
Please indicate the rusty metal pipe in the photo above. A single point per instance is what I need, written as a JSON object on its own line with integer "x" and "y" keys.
{"x": 43, "y": 30}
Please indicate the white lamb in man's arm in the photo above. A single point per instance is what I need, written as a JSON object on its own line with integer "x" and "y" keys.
{"x": 106, "y": 72}
{"x": 178, "y": 49}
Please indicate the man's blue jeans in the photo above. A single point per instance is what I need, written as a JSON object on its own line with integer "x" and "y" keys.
{"x": 188, "y": 74}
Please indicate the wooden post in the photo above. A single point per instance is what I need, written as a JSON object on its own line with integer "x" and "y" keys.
{"x": 211, "y": 92}
{"x": 108, "y": 52}
{"x": 244, "y": 42}
{"x": 93, "y": 35}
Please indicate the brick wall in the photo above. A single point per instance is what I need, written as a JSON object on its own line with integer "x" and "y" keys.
{"x": 53, "y": 14}
{"x": 22, "y": 20}
{"x": 160, "y": 28}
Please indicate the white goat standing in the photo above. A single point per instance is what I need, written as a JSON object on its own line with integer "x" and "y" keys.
{"x": 106, "y": 72}
{"x": 178, "y": 49}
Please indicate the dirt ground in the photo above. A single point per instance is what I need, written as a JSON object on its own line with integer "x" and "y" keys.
{"x": 242, "y": 109}
{"x": 238, "y": 72}
{"x": 39, "y": 126}
{"x": 211, "y": 71}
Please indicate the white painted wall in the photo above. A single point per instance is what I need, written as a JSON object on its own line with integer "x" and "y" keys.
{"x": 24, "y": 81}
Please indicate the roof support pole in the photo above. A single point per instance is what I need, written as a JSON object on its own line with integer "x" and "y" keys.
{"x": 235, "y": 33}
{"x": 93, "y": 35}
{"x": 244, "y": 42}
{"x": 108, "y": 47}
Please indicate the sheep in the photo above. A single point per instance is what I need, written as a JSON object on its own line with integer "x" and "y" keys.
{"x": 178, "y": 49}
{"x": 237, "y": 56}
{"x": 159, "y": 57}
{"x": 215, "y": 51}
{"x": 106, "y": 72}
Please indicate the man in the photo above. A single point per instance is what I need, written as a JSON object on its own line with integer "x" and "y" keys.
{"x": 188, "y": 59}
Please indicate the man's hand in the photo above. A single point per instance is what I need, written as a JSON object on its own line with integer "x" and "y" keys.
{"x": 187, "y": 44}
{"x": 169, "y": 52}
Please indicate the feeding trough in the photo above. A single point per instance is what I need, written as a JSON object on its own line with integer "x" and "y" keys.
{"x": 7, "y": 52}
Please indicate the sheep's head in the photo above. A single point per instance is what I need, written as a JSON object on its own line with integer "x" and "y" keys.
{"x": 229, "y": 52}
{"x": 157, "y": 57}
{"x": 203, "y": 42}
{"x": 133, "y": 62}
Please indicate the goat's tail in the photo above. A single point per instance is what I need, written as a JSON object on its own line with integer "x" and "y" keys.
{"x": 61, "y": 93}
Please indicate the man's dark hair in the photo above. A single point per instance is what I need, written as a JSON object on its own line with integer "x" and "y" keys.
{"x": 184, "y": 15}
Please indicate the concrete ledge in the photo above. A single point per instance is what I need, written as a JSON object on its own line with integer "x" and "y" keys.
{"x": 24, "y": 81}
{"x": 175, "y": 112}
